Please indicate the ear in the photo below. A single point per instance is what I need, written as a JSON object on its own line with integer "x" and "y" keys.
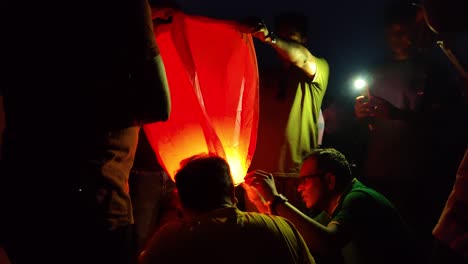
{"x": 331, "y": 181}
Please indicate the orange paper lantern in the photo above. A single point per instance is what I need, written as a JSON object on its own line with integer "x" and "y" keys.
{"x": 213, "y": 78}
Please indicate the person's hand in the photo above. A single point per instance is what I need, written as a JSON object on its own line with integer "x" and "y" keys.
{"x": 263, "y": 182}
{"x": 381, "y": 108}
{"x": 374, "y": 107}
{"x": 256, "y": 198}
{"x": 254, "y": 26}
{"x": 362, "y": 107}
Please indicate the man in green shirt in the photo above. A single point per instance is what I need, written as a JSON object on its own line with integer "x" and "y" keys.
{"x": 364, "y": 227}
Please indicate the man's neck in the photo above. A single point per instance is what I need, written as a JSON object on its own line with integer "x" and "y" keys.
{"x": 336, "y": 197}
{"x": 335, "y": 200}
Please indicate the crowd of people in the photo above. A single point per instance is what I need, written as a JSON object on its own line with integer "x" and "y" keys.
{"x": 80, "y": 183}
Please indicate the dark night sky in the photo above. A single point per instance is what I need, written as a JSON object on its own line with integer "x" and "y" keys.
{"x": 346, "y": 33}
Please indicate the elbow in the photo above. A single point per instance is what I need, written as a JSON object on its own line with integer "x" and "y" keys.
{"x": 162, "y": 115}
{"x": 146, "y": 112}
{"x": 299, "y": 58}
{"x": 298, "y": 61}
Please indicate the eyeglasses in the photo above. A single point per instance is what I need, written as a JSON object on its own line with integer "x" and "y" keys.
{"x": 309, "y": 176}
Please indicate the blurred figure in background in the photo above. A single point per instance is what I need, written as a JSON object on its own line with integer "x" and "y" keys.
{"x": 410, "y": 96}
{"x": 451, "y": 231}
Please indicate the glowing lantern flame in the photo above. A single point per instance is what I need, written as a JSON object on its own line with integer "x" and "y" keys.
{"x": 213, "y": 77}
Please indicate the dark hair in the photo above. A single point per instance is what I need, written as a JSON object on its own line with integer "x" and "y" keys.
{"x": 164, "y": 4}
{"x": 204, "y": 182}
{"x": 331, "y": 160}
{"x": 400, "y": 12}
{"x": 292, "y": 20}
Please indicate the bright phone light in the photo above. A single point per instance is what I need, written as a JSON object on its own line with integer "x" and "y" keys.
{"x": 360, "y": 84}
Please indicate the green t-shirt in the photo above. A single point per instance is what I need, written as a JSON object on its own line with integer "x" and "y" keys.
{"x": 376, "y": 232}
{"x": 290, "y": 103}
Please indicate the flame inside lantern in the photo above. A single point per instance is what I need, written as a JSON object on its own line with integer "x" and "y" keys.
{"x": 213, "y": 78}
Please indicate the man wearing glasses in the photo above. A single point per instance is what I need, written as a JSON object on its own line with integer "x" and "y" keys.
{"x": 364, "y": 227}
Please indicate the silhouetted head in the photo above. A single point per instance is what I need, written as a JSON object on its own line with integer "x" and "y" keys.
{"x": 204, "y": 183}
{"x": 292, "y": 26}
{"x": 164, "y": 4}
{"x": 400, "y": 19}
{"x": 162, "y": 11}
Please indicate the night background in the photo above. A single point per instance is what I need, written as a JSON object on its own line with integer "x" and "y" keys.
{"x": 348, "y": 34}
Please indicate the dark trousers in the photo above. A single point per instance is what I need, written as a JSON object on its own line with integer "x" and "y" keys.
{"x": 151, "y": 192}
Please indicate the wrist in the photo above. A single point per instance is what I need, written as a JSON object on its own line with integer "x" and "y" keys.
{"x": 277, "y": 200}
{"x": 271, "y": 38}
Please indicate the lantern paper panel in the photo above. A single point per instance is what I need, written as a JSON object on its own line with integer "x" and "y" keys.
{"x": 213, "y": 78}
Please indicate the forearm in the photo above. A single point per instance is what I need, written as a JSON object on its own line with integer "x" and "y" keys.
{"x": 296, "y": 53}
{"x": 317, "y": 236}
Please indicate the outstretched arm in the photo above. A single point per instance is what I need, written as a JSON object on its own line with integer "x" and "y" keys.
{"x": 296, "y": 53}
{"x": 319, "y": 238}
{"x": 290, "y": 50}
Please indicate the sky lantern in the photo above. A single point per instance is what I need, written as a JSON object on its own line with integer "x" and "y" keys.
{"x": 213, "y": 78}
